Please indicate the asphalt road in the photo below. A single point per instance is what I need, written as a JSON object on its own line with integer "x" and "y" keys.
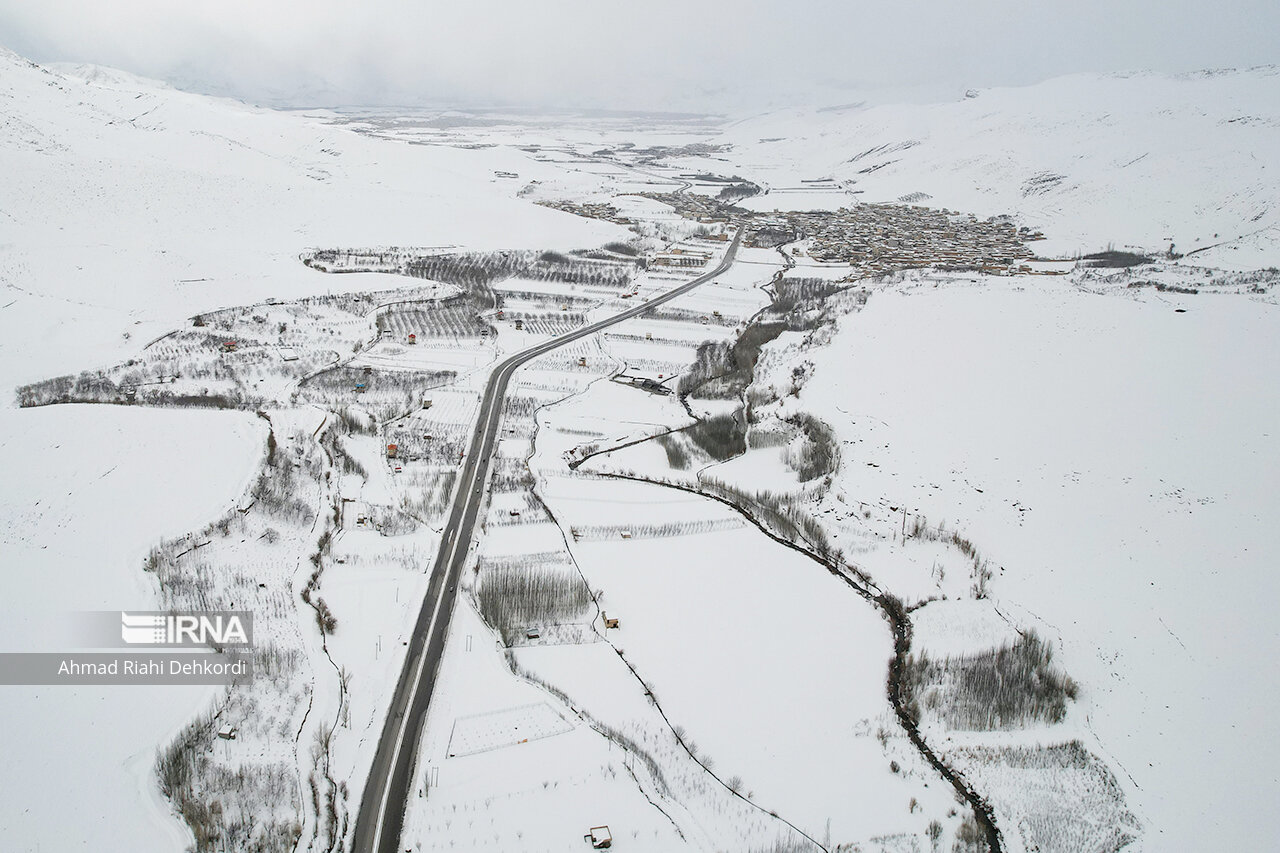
{"x": 382, "y": 808}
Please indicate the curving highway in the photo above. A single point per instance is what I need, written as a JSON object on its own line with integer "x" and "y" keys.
{"x": 381, "y": 816}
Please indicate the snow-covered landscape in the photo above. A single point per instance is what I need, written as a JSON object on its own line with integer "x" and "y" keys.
{"x": 877, "y": 477}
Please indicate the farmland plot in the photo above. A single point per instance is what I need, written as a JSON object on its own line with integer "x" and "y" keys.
{"x": 630, "y": 570}
{"x": 454, "y": 319}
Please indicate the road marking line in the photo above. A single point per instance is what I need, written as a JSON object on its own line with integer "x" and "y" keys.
{"x": 422, "y": 662}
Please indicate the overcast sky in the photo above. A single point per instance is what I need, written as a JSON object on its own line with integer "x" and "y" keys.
{"x": 631, "y": 55}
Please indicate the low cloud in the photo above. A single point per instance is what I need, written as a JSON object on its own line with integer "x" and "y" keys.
{"x": 654, "y": 55}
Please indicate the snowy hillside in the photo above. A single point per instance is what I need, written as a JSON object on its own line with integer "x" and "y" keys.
{"x": 1091, "y": 160}
{"x": 126, "y": 206}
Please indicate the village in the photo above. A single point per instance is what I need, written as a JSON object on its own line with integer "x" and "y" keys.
{"x": 874, "y": 239}
{"x": 591, "y": 210}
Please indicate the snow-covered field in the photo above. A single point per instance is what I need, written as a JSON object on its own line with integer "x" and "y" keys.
{"x": 714, "y": 620}
{"x": 1116, "y": 460}
{"x": 88, "y": 490}
{"x": 540, "y": 793}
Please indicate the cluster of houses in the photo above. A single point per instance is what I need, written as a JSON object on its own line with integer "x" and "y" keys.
{"x": 881, "y": 238}
{"x": 878, "y": 238}
{"x": 591, "y": 210}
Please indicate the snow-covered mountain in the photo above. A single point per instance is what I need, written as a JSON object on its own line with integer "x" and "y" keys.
{"x": 1092, "y": 160}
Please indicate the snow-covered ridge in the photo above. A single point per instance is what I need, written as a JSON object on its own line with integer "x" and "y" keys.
{"x": 106, "y": 76}
{"x": 1092, "y": 160}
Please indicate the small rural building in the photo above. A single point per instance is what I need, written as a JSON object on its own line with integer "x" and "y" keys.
{"x": 582, "y": 362}
{"x": 360, "y": 386}
{"x": 413, "y": 339}
{"x": 519, "y": 325}
{"x": 680, "y": 260}
{"x": 599, "y": 836}
{"x": 228, "y": 346}
{"x": 227, "y": 732}
{"x": 532, "y": 634}
{"x": 392, "y": 451}
{"x": 608, "y": 622}
{"x": 653, "y": 386}
{"x": 288, "y": 354}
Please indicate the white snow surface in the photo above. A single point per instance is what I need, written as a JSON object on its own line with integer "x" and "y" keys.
{"x": 88, "y": 490}
{"x": 1116, "y": 460}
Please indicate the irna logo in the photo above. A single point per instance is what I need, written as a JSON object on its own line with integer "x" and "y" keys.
{"x": 219, "y": 629}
